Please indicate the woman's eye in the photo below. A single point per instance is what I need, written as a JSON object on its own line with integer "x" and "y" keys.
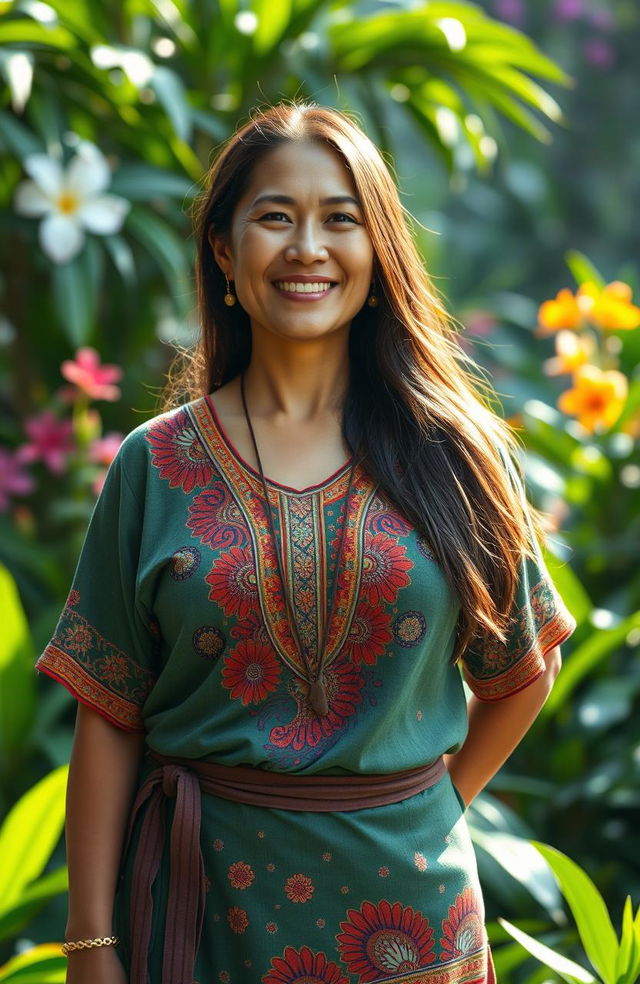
{"x": 340, "y": 216}
{"x": 273, "y": 216}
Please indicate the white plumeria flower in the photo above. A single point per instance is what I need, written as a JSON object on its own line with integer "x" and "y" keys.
{"x": 71, "y": 200}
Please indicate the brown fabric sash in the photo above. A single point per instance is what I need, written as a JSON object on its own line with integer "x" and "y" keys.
{"x": 184, "y": 780}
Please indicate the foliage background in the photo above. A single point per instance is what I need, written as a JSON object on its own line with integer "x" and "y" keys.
{"x": 497, "y": 231}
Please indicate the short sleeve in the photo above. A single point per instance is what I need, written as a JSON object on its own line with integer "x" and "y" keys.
{"x": 539, "y": 621}
{"x": 103, "y": 649}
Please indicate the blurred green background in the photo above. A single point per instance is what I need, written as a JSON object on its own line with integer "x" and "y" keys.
{"x": 513, "y": 131}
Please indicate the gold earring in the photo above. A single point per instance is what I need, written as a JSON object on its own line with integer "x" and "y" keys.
{"x": 372, "y": 299}
{"x": 229, "y": 297}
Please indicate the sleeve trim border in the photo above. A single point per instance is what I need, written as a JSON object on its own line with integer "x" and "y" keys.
{"x": 61, "y": 667}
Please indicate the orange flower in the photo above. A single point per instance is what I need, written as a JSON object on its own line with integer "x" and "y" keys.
{"x": 572, "y": 351}
{"x": 563, "y": 312}
{"x": 597, "y": 397}
{"x": 609, "y": 308}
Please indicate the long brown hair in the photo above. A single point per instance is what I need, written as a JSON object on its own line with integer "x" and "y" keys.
{"x": 418, "y": 414}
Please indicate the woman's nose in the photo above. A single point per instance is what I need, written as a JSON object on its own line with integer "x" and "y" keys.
{"x": 306, "y": 244}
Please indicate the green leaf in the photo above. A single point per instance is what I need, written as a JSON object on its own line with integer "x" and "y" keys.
{"x": 171, "y": 91}
{"x": 273, "y": 19}
{"x": 29, "y": 834}
{"x": 74, "y": 300}
{"x": 17, "y": 137}
{"x": 517, "y": 856}
{"x": 600, "y": 644}
{"x": 41, "y": 891}
{"x": 569, "y": 971}
{"x": 43, "y": 964}
{"x": 589, "y": 911}
{"x": 17, "y": 676}
{"x": 569, "y": 587}
{"x": 583, "y": 269}
{"x": 167, "y": 250}
{"x": 626, "y": 942}
{"x": 28, "y": 31}
{"x": 142, "y": 182}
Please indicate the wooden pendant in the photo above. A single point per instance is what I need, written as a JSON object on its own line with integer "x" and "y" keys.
{"x": 318, "y": 698}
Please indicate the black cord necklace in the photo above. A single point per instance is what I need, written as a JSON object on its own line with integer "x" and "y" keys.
{"x": 315, "y": 681}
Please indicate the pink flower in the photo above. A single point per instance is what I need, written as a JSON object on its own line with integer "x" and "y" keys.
{"x": 599, "y": 53}
{"x": 103, "y": 450}
{"x": 512, "y": 11}
{"x": 91, "y": 377}
{"x": 568, "y": 10}
{"x": 13, "y": 480}
{"x": 51, "y": 441}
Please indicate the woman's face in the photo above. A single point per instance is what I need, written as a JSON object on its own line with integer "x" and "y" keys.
{"x": 298, "y": 252}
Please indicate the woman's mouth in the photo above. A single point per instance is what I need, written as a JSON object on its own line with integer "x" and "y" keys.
{"x": 308, "y": 290}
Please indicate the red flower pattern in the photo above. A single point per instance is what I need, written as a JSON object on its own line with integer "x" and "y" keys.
{"x": 463, "y": 931}
{"x": 385, "y": 940}
{"x": 238, "y": 919}
{"x": 241, "y": 875}
{"x": 384, "y": 569}
{"x": 233, "y": 583}
{"x": 303, "y": 967}
{"x": 251, "y": 672}
{"x": 344, "y": 683}
{"x": 299, "y": 888}
{"x": 369, "y": 634}
{"x": 176, "y": 450}
{"x": 214, "y": 517}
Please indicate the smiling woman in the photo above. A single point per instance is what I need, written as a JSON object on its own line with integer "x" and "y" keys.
{"x": 295, "y": 564}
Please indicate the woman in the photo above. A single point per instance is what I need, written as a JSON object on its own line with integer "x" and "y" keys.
{"x": 280, "y": 582}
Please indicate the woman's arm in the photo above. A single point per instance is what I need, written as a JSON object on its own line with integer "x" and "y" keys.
{"x": 104, "y": 767}
{"x": 496, "y": 728}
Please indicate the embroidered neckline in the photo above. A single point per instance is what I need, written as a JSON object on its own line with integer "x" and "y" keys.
{"x": 287, "y": 489}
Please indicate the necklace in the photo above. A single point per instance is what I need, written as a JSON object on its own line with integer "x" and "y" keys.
{"x": 314, "y": 679}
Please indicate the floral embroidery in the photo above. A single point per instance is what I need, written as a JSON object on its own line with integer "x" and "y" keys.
{"x": 384, "y": 519}
{"x": 463, "y": 931}
{"x": 96, "y": 670}
{"x": 74, "y": 598}
{"x": 251, "y": 672}
{"x": 369, "y": 634}
{"x": 409, "y": 629}
{"x": 425, "y": 549}
{"x": 208, "y": 641}
{"x": 383, "y": 871}
{"x": 420, "y": 861}
{"x": 241, "y": 875}
{"x": 251, "y": 627}
{"x": 178, "y": 453}
{"x": 384, "y": 569}
{"x": 218, "y": 845}
{"x": 494, "y": 669}
{"x": 184, "y": 563}
{"x": 303, "y": 967}
{"x": 238, "y": 919}
{"x": 233, "y": 582}
{"x": 299, "y": 888}
{"x": 385, "y": 940}
{"x": 343, "y": 683}
{"x": 271, "y": 927}
{"x": 214, "y": 517}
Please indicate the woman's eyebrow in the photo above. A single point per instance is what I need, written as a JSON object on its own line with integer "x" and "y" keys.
{"x": 287, "y": 200}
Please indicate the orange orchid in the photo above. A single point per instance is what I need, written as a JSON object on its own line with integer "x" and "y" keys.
{"x": 572, "y": 351}
{"x": 563, "y": 312}
{"x": 597, "y": 397}
{"x": 610, "y": 308}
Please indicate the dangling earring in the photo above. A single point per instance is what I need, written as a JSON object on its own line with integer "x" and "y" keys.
{"x": 229, "y": 297}
{"x": 372, "y": 299}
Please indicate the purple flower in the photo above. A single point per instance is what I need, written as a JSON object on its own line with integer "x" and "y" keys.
{"x": 512, "y": 11}
{"x": 568, "y": 10}
{"x": 13, "y": 479}
{"x": 599, "y": 52}
{"x": 50, "y": 440}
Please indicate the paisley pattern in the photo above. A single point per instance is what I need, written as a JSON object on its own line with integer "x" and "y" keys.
{"x": 175, "y": 625}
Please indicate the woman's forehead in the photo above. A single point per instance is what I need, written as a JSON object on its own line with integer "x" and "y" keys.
{"x": 306, "y": 170}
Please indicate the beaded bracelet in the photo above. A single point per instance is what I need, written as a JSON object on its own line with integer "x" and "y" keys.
{"x": 69, "y": 945}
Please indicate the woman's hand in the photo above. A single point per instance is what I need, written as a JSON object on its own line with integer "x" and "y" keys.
{"x": 98, "y": 966}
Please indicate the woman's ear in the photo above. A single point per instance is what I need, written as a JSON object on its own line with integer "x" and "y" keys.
{"x": 220, "y": 252}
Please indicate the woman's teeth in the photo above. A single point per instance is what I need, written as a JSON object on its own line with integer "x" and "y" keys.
{"x": 298, "y": 288}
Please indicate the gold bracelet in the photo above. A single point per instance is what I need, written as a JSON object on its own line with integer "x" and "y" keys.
{"x": 70, "y": 945}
